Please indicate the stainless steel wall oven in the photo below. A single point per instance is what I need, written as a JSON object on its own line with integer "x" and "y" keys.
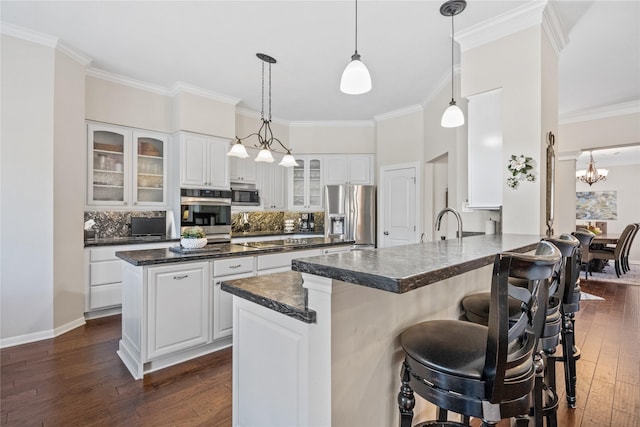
{"x": 209, "y": 209}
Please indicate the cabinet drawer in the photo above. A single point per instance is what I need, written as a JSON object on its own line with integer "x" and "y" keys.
{"x": 335, "y": 249}
{"x": 105, "y": 296}
{"x": 284, "y": 259}
{"x": 103, "y": 254}
{"x": 224, "y": 267}
{"x": 101, "y": 273}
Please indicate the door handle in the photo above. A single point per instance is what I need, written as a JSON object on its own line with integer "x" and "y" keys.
{"x": 386, "y": 233}
{"x": 184, "y": 276}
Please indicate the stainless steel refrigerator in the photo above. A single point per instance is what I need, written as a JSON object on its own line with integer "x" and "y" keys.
{"x": 350, "y": 214}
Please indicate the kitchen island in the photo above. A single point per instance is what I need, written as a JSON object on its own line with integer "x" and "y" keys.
{"x": 173, "y": 308}
{"x": 343, "y": 368}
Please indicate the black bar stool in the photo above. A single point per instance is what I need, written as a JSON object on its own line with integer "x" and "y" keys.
{"x": 481, "y": 371}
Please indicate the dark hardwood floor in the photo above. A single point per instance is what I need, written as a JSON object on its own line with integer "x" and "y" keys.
{"x": 77, "y": 379}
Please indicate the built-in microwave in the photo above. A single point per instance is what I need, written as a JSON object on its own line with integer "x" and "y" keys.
{"x": 245, "y": 197}
{"x": 208, "y": 209}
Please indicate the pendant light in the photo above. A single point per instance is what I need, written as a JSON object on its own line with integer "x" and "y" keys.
{"x": 591, "y": 175}
{"x": 264, "y": 134}
{"x": 355, "y": 79}
{"x": 452, "y": 116}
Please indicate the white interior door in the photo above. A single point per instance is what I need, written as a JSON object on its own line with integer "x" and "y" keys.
{"x": 398, "y": 205}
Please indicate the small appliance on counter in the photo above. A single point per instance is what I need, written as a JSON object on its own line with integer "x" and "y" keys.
{"x": 148, "y": 226}
{"x": 306, "y": 223}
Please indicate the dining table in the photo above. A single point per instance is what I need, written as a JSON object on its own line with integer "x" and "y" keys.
{"x": 606, "y": 239}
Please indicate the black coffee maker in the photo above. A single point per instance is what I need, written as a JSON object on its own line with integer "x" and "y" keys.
{"x": 306, "y": 222}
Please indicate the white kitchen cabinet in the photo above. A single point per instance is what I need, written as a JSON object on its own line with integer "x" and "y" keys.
{"x": 306, "y": 184}
{"x": 178, "y": 312}
{"x": 348, "y": 169}
{"x": 275, "y": 263}
{"x": 244, "y": 170}
{"x": 222, "y": 302}
{"x": 272, "y": 185}
{"x": 103, "y": 270}
{"x": 203, "y": 161}
{"x": 126, "y": 167}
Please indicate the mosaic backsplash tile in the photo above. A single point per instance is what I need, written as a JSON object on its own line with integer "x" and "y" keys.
{"x": 271, "y": 221}
{"x": 116, "y": 223}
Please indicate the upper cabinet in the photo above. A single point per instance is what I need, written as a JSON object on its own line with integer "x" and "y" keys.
{"x": 485, "y": 150}
{"x": 348, "y": 169}
{"x": 203, "y": 161}
{"x": 306, "y": 183}
{"x": 244, "y": 170}
{"x": 126, "y": 167}
{"x": 272, "y": 184}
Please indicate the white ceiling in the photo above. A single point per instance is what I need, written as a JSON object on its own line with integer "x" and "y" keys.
{"x": 608, "y": 157}
{"x": 405, "y": 44}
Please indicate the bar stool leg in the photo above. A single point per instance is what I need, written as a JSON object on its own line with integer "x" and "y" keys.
{"x": 568, "y": 346}
{"x": 406, "y": 400}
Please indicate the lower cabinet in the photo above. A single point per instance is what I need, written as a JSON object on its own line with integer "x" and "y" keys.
{"x": 103, "y": 272}
{"x": 223, "y": 306}
{"x": 179, "y": 309}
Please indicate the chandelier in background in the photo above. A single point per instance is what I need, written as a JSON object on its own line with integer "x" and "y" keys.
{"x": 591, "y": 175}
{"x": 264, "y": 134}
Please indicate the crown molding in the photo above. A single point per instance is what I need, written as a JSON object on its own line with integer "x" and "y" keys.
{"x": 502, "y": 25}
{"x": 400, "y": 112}
{"x": 28, "y": 35}
{"x": 126, "y": 81}
{"x": 333, "y": 124}
{"x": 44, "y": 40}
{"x": 626, "y": 108}
{"x": 181, "y": 87}
{"x": 443, "y": 84}
{"x": 552, "y": 27}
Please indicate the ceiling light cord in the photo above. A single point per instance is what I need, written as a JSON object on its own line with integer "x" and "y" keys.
{"x": 452, "y": 51}
{"x": 355, "y": 78}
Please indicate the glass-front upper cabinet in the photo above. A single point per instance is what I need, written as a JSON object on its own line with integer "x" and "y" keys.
{"x": 108, "y": 153}
{"x": 126, "y": 167}
{"x": 305, "y": 184}
{"x": 150, "y": 166}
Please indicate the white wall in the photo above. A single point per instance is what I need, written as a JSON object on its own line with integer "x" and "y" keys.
{"x": 600, "y": 132}
{"x": 514, "y": 63}
{"x": 27, "y": 196}
{"x": 201, "y": 114}
{"x": 359, "y": 137}
{"x": 69, "y": 160}
{"x": 111, "y": 102}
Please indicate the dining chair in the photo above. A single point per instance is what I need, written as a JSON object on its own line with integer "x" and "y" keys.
{"x": 615, "y": 254}
{"x": 585, "y": 237}
{"x": 627, "y": 248}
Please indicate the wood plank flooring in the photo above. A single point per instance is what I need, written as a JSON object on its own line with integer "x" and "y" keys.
{"x": 77, "y": 379}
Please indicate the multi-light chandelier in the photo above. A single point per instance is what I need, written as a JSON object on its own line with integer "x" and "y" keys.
{"x": 264, "y": 134}
{"x": 591, "y": 175}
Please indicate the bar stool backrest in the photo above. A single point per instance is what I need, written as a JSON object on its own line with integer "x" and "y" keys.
{"x": 537, "y": 269}
{"x": 569, "y": 247}
{"x": 585, "y": 237}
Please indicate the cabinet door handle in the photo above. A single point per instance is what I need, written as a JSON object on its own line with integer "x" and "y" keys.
{"x": 235, "y": 266}
{"x": 386, "y": 233}
{"x": 184, "y": 276}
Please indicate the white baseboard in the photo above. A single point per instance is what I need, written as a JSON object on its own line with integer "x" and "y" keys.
{"x": 89, "y": 315}
{"x": 42, "y": 335}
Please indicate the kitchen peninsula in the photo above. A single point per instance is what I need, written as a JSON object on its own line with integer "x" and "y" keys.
{"x": 173, "y": 308}
{"x": 341, "y": 365}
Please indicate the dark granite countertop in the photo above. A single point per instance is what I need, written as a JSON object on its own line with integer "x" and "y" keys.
{"x": 128, "y": 240}
{"x": 237, "y": 235}
{"x": 166, "y": 256}
{"x": 281, "y": 292}
{"x": 403, "y": 268}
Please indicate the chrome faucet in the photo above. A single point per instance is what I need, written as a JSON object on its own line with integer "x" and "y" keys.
{"x": 456, "y": 213}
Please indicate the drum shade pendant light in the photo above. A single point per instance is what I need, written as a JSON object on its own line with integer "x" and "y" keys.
{"x": 452, "y": 116}
{"x": 591, "y": 175}
{"x": 355, "y": 79}
{"x": 264, "y": 134}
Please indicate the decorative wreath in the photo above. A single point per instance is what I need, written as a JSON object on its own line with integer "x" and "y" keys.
{"x": 521, "y": 169}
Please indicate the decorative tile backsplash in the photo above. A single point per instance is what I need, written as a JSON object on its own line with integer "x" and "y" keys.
{"x": 270, "y": 221}
{"x": 116, "y": 223}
